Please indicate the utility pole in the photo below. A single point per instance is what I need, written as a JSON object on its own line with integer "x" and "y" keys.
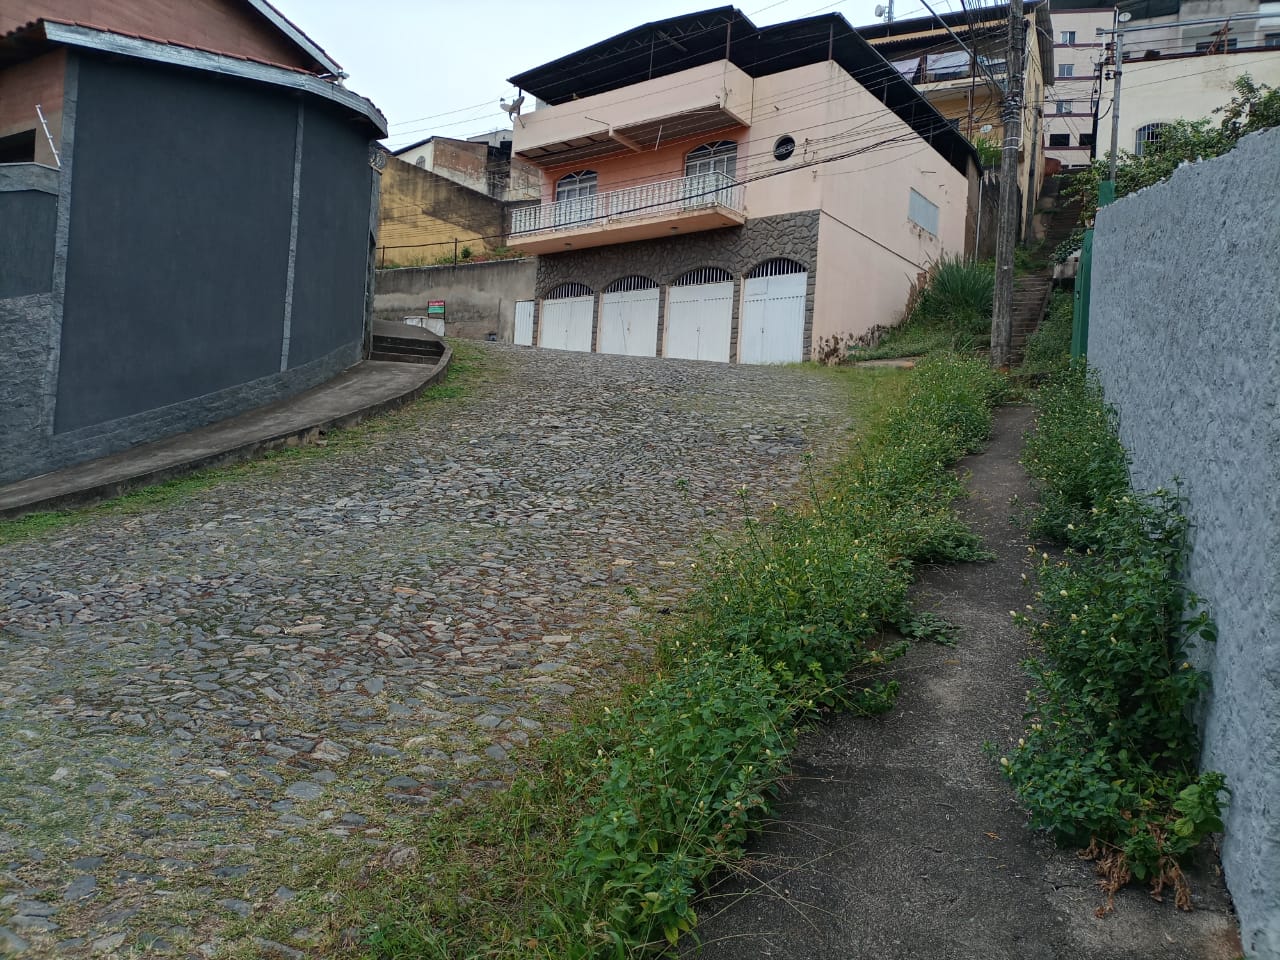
{"x": 1007, "y": 209}
{"x": 1117, "y": 70}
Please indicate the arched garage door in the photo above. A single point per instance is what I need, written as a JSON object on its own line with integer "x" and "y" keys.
{"x": 629, "y": 318}
{"x": 566, "y": 318}
{"x": 700, "y": 315}
{"x": 773, "y": 302}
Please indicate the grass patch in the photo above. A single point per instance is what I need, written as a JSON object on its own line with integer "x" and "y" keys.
{"x": 1049, "y": 346}
{"x": 468, "y": 368}
{"x": 599, "y": 848}
{"x": 951, "y": 312}
{"x": 1109, "y": 757}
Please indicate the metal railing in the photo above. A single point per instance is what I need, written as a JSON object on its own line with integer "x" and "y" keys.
{"x": 698, "y": 192}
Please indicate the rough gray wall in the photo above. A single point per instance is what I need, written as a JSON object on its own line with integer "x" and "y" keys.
{"x": 479, "y": 297}
{"x": 735, "y": 249}
{"x": 1185, "y": 333}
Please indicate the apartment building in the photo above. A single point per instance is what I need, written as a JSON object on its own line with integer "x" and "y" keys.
{"x": 714, "y": 190}
{"x": 1070, "y": 106}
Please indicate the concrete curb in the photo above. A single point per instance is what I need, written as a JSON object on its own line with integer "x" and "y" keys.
{"x": 163, "y": 460}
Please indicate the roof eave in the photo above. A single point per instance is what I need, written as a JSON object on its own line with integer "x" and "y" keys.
{"x": 289, "y": 29}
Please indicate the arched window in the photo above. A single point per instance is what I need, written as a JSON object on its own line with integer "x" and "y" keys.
{"x": 777, "y": 267}
{"x": 721, "y": 156}
{"x": 703, "y": 275}
{"x": 575, "y": 186}
{"x": 568, "y": 290}
{"x": 629, "y": 284}
{"x": 420, "y": 162}
{"x": 1146, "y": 136}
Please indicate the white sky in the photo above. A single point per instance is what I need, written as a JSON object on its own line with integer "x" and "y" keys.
{"x": 437, "y": 67}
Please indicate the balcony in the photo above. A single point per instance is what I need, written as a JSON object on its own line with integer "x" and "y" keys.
{"x": 706, "y": 201}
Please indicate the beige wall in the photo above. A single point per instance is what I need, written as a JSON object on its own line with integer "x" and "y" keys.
{"x": 421, "y": 214}
{"x": 1186, "y": 88}
{"x": 714, "y": 83}
{"x": 24, "y": 85}
{"x": 1076, "y": 90}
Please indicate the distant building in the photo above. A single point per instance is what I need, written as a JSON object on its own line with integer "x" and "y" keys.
{"x": 1181, "y": 58}
{"x": 187, "y": 205}
{"x": 482, "y": 163}
{"x": 715, "y": 190}
{"x": 965, "y": 78}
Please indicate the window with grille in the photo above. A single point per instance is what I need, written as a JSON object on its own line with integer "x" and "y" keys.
{"x": 567, "y": 290}
{"x": 420, "y": 162}
{"x": 777, "y": 267}
{"x": 1059, "y": 139}
{"x": 703, "y": 275}
{"x": 1147, "y": 135}
{"x": 575, "y": 186}
{"x": 923, "y": 212}
{"x": 628, "y": 284}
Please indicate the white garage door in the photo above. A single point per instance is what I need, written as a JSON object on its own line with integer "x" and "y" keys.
{"x": 773, "y": 301}
{"x": 524, "y": 323}
{"x": 629, "y": 318}
{"x": 700, "y": 315}
{"x": 566, "y": 318}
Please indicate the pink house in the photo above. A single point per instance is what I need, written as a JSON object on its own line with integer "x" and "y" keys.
{"x": 719, "y": 191}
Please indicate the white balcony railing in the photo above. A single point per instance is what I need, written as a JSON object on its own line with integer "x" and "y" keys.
{"x": 699, "y": 192}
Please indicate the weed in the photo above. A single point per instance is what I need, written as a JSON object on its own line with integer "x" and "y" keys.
{"x": 1108, "y": 759}
{"x": 1049, "y": 346}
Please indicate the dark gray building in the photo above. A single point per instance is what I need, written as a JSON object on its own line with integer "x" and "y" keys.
{"x": 198, "y": 242}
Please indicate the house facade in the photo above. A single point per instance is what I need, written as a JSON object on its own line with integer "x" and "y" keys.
{"x": 958, "y": 61}
{"x": 186, "y": 232}
{"x": 716, "y": 191}
{"x": 1070, "y": 108}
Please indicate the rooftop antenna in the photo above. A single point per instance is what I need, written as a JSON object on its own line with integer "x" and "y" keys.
{"x": 886, "y": 12}
{"x": 513, "y": 108}
{"x": 48, "y": 136}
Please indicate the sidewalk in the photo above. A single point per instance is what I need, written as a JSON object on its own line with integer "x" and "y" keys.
{"x": 361, "y": 391}
{"x": 898, "y": 838}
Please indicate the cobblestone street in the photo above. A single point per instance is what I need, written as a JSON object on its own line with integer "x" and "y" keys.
{"x": 192, "y": 698}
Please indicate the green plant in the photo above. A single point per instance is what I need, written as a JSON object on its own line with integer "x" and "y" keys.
{"x": 988, "y": 152}
{"x": 1108, "y": 759}
{"x": 465, "y": 253}
{"x": 1048, "y": 348}
{"x": 1254, "y": 107}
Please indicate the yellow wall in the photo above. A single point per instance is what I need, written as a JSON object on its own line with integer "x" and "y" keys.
{"x": 421, "y": 214}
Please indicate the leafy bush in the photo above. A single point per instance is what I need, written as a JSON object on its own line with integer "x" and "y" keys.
{"x": 781, "y": 628}
{"x": 1108, "y": 759}
{"x": 1254, "y": 107}
{"x": 958, "y": 295}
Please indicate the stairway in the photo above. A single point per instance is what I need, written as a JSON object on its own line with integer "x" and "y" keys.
{"x": 402, "y": 343}
{"x": 1030, "y": 299}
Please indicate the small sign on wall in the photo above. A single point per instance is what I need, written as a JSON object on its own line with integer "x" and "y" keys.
{"x": 435, "y": 309}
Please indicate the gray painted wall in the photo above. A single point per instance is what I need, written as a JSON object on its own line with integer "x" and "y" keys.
{"x": 735, "y": 249}
{"x": 479, "y": 297}
{"x": 177, "y": 271}
{"x": 29, "y": 211}
{"x": 1185, "y": 334}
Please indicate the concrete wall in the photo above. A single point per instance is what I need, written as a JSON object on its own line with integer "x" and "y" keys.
{"x": 29, "y": 211}
{"x": 187, "y": 288}
{"x": 479, "y": 297}
{"x": 422, "y": 213}
{"x": 1185, "y": 333}
{"x": 226, "y": 26}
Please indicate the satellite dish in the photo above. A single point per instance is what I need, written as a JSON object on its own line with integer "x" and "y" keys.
{"x": 880, "y": 10}
{"x": 985, "y": 128}
{"x": 1125, "y": 17}
{"x": 513, "y": 108}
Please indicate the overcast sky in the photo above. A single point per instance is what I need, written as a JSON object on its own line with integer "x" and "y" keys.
{"x": 440, "y": 67}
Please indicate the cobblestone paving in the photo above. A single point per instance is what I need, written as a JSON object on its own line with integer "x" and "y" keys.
{"x": 315, "y": 652}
